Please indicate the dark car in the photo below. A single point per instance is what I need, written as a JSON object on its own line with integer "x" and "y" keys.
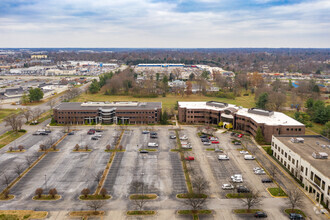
{"x": 94, "y": 138}
{"x": 172, "y": 136}
{"x": 48, "y": 131}
{"x": 267, "y": 180}
{"x": 242, "y": 189}
{"x": 144, "y": 151}
{"x": 295, "y": 216}
{"x": 260, "y": 215}
{"x": 232, "y": 134}
{"x": 153, "y": 134}
{"x": 205, "y": 140}
{"x": 43, "y": 133}
{"x": 71, "y": 133}
{"x": 203, "y": 136}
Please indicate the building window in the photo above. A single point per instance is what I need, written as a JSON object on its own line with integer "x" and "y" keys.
{"x": 286, "y": 154}
{"x": 287, "y": 129}
{"x": 289, "y": 157}
{"x": 323, "y": 185}
{"x": 285, "y": 163}
{"x": 293, "y": 161}
{"x": 302, "y": 169}
{"x": 299, "y": 129}
{"x": 306, "y": 171}
{"x": 275, "y": 146}
{"x": 282, "y": 152}
{"x": 312, "y": 175}
{"x": 288, "y": 167}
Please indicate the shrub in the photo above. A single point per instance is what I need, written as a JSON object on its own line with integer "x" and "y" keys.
{"x": 20, "y": 147}
{"x": 53, "y": 192}
{"x": 76, "y": 148}
{"x": 39, "y": 192}
{"x": 103, "y": 192}
{"x": 108, "y": 147}
{"x": 10, "y": 149}
{"x": 85, "y": 192}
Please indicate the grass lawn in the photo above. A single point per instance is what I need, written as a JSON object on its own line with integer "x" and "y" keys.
{"x": 115, "y": 150}
{"x": 167, "y": 102}
{"x": 245, "y": 211}
{"x": 150, "y": 150}
{"x": 5, "y": 112}
{"x": 94, "y": 197}
{"x": 195, "y": 212}
{"x": 86, "y": 214}
{"x": 297, "y": 211}
{"x": 145, "y": 196}
{"x": 47, "y": 197}
{"x": 236, "y": 195}
{"x": 2, "y": 197}
{"x": 276, "y": 192}
{"x": 9, "y": 137}
{"x": 187, "y": 195}
{"x": 23, "y": 214}
{"x": 136, "y": 212}
{"x": 182, "y": 149}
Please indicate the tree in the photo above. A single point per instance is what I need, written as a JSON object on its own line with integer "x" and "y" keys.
{"x": 39, "y": 192}
{"x": 85, "y": 192}
{"x": 259, "y": 136}
{"x": 157, "y": 76}
{"x": 262, "y": 101}
{"x": 251, "y": 199}
{"x": 295, "y": 198}
{"x": 220, "y": 124}
{"x": 194, "y": 201}
{"x": 200, "y": 185}
{"x": 191, "y": 76}
{"x": 53, "y": 192}
{"x": 14, "y": 121}
{"x": 6, "y": 193}
{"x": 18, "y": 169}
{"x": 164, "y": 118}
{"x": 165, "y": 84}
{"x": 276, "y": 100}
{"x": 95, "y": 205}
{"x": 26, "y": 112}
{"x": 35, "y": 94}
{"x": 5, "y": 179}
{"x": 76, "y": 148}
{"x": 42, "y": 147}
{"x": 51, "y": 103}
{"x": 36, "y": 113}
{"x": 25, "y": 98}
{"x": 189, "y": 88}
{"x": 29, "y": 159}
{"x": 108, "y": 147}
{"x": 94, "y": 87}
{"x": 103, "y": 192}
{"x": 326, "y": 130}
{"x": 139, "y": 188}
{"x": 20, "y": 147}
{"x": 98, "y": 176}
{"x": 205, "y": 74}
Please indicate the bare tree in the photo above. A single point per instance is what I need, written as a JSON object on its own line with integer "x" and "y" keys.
{"x": 138, "y": 187}
{"x": 14, "y": 121}
{"x": 108, "y": 147}
{"x": 95, "y": 205}
{"x": 103, "y": 192}
{"x": 19, "y": 169}
{"x": 51, "y": 103}
{"x": 201, "y": 185}
{"x": 5, "y": 179}
{"x": 85, "y": 192}
{"x": 295, "y": 198}
{"x": 29, "y": 160}
{"x": 10, "y": 148}
{"x": 26, "y": 112}
{"x": 36, "y": 113}
{"x": 20, "y": 147}
{"x": 6, "y": 193}
{"x": 194, "y": 201}
{"x": 76, "y": 148}
{"x": 98, "y": 176}
{"x": 251, "y": 199}
{"x": 39, "y": 192}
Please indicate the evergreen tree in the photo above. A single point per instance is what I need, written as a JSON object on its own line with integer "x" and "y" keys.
{"x": 35, "y": 94}
{"x": 262, "y": 101}
{"x": 260, "y": 137}
{"x": 164, "y": 118}
{"x": 94, "y": 87}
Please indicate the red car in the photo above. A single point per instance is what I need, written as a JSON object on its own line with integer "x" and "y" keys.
{"x": 240, "y": 135}
{"x": 91, "y": 132}
{"x": 190, "y": 158}
{"x": 215, "y": 142}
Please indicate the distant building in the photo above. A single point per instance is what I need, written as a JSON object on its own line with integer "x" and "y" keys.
{"x": 306, "y": 157}
{"x": 39, "y": 56}
{"x": 108, "y": 112}
{"x": 248, "y": 120}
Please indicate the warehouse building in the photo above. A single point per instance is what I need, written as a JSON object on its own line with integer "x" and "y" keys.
{"x": 108, "y": 112}
{"x": 306, "y": 157}
{"x": 248, "y": 120}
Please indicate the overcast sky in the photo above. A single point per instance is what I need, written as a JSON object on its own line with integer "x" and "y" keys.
{"x": 165, "y": 23}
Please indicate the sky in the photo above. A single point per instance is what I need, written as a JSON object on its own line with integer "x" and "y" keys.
{"x": 165, "y": 23}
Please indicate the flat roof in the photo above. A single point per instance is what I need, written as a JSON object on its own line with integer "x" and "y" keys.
{"x": 105, "y": 105}
{"x": 306, "y": 149}
{"x": 278, "y": 118}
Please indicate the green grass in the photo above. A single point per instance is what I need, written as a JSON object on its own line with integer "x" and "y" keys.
{"x": 189, "y": 195}
{"x": 94, "y": 197}
{"x": 150, "y": 150}
{"x": 179, "y": 150}
{"x": 236, "y": 195}
{"x": 115, "y": 150}
{"x": 136, "y": 212}
{"x": 5, "y": 112}
{"x": 297, "y": 211}
{"x": 145, "y": 196}
{"x": 276, "y": 192}
{"x": 167, "y": 102}
{"x": 195, "y": 212}
{"x": 210, "y": 149}
{"x": 9, "y": 137}
{"x": 2, "y": 197}
{"x": 246, "y": 211}
{"x": 46, "y": 197}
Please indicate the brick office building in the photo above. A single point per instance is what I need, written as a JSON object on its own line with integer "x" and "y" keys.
{"x": 248, "y": 120}
{"x": 108, "y": 112}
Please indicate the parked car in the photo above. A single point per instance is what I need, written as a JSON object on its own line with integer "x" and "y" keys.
{"x": 71, "y": 133}
{"x": 215, "y": 142}
{"x": 145, "y": 132}
{"x": 207, "y": 143}
{"x": 232, "y": 134}
{"x": 98, "y": 135}
{"x": 94, "y": 138}
{"x": 237, "y": 143}
{"x": 203, "y": 136}
{"x": 257, "y": 168}
{"x": 213, "y": 138}
{"x": 227, "y": 186}
{"x": 43, "y": 133}
{"x": 244, "y": 152}
{"x": 205, "y": 140}
{"x": 260, "y": 215}
{"x": 238, "y": 180}
{"x": 260, "y": 172}
{"x": 153, "y": 135}
{"x": 190, "y": 158}
{"x": 48, "y": 131}
{"x": 249, "y": 157}
{"x": 152, "y": 145}
{"x": 91, "y": 132}
{"x": 267, "y": 180}
{"x": 223, "y": 157}
{"x": 218, "y": 150}
{"x": 172, "y": 136}
{"x": 240, "y": 135}
{"x": 295, "y": 216}
{"x": 183, "y": 137}
{"x": 144, "y": 151}
{"x": 242, "y": 189}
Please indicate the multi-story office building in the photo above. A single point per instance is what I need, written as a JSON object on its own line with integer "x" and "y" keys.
{"x": 248, "y": 120}
{"x": 306, "y": 157}
{"x": 108, "y": 112}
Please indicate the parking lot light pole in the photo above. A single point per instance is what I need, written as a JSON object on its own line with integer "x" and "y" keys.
{"x": 45, "y": 182}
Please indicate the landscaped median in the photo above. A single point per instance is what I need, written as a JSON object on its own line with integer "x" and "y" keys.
{"x": 141, "y": 212}
{"x": 47, "y": 198}
{"x": 95, "y": 197}
{"x": 195, "y": 213}
{"x": 182, "y": 149}
{"x": 277, "y": 192}
{"x": 22, "y": 214}
{"x": 86, "y": 214}
{"x": 246, "y": 211}
{"x": 191, "y": 195}
{"x": 142, "y": 196}
{"x": 10, "y": 136}
{"x": 237, "y": 195}
{"x": 149, "y": 150}
{"x": 297, "y": 211}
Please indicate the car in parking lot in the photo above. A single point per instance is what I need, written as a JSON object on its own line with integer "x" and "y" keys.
{"x": 94, "y": 138}
{"x": 91, "y": 132}
{"x": 213, "y": 138}
{"x": 260, "y": 214}
{"x": 207, "y": 143}
{"x": 172, "y": 136}
{"x": 240, "y": 135}
{"x": 242, "y": 189}
{"x": 205, "y": 140}
{"x": 144, "y": 151}
{"x": 215, "y": 142}
{"x": 218, "y": 150}
{"x": 260, "y": 172}
{"x": 98, "y": 135}
{"x": 295, "y": 216}
{"x": 227, "y": 186}
{"x": 203, "y": 136}
{"x": 223, "y": 157}
{"x": 184, "y": 137}
{"x": 244, "y": 152}
{"x": 190, "y": 158}
{"x": 249, "y": 157}
{"x": 71, "y": 133}
{"x": 267, "y": 180}
{"x": 257, "y": 168}
{"x": 153, "y": 135}
{"x": 237, "y": 178}
{"x": 145, "y": 132}
{"x": 152, "y": 144}
{"x": 237, "y": 143}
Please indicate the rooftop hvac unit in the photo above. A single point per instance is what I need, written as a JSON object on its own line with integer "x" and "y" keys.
{"x": 297, "y": 140}
{"x": 320, "y": 155}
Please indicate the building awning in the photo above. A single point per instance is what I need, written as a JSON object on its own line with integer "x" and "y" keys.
{"x": 227, "y": 116}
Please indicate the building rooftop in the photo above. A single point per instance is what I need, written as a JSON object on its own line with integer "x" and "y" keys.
{"x": 311, "y": 144}
{"x": 105, "y": 105}
{"x": 258, "y": 115}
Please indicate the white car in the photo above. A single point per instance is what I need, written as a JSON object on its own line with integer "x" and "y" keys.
{"x": 213, "y": 138}
{"x": 184, "y": 137}
{"x": 207, "y": 143}
{"x": 227, "y": 186}
{"x": 238, "y": 180}
{"x": 187, "y": 146}
{"x": 249, "y": 157}
{"x": 257, "y": 168}
{"x": 223, "y": 157}
{"x": 236, "y": 176}
{"x": 260, "y": 172}
{"x": 244, "y": 152}
{"x": 98, "y": 135}
{"x": 152, "y": 145}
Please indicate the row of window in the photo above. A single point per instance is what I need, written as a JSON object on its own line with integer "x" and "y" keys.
{"x": 295, "y": 129}
{"x": 118, "y": 112}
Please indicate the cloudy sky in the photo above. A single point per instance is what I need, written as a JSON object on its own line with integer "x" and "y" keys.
{"x": 165, "y": 23}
